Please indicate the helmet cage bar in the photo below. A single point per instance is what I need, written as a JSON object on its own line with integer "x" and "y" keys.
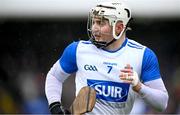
{"x": 106, "y": 6}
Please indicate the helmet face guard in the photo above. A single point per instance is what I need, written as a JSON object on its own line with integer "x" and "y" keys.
{"x": 113, "y": 12}
{"x": 98, "y": 44}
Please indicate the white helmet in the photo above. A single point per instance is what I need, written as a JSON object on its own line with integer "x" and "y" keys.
{"x": 113, "y": 11}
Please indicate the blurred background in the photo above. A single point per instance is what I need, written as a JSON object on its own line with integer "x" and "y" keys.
{"x": 34, "y": 33}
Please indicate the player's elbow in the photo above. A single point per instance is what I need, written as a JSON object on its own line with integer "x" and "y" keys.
{"x": 164, "y": 103}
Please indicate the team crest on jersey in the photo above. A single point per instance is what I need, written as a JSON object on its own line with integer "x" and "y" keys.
{"x": 110, "y": 91}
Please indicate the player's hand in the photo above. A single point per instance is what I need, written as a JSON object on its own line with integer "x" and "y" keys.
{"x": 57, "y": 108}
{"x": 129, "y": 76}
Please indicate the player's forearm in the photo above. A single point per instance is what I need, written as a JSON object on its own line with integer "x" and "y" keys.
{"x": 54, "y": 80}
{"x": 53, "y": 89}
{"x": 158, "y": 99}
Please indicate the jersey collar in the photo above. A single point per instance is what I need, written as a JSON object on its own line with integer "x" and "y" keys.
{"x": 123, "y": 45}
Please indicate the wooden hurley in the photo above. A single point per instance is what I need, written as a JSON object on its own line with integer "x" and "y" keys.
{"x": 84, "y": 101}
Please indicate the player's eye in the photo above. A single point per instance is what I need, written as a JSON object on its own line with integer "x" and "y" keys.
{"x": 96, "y": 22}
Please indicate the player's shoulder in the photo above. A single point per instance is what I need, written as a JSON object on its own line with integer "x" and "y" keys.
{"x": 134, "y": 44}
{"x": 72, "y": 45}
{"x": 85, "y": 44}
{"x": 78, "y": 44}
{"x": 147, "y": 52}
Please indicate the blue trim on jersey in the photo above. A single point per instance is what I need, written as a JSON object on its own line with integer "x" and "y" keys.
{"x": 124, "y": 44}
{"x": 68, "y": 58}
{"x": 150, "y": 66}
{"x": 135, "y": 46}
{"x": 86, "y": 42}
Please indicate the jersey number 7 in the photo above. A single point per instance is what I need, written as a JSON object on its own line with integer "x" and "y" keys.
{"x": 110, "y": 68}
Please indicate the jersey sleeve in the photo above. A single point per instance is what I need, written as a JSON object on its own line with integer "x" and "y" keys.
{"x": 68, "y": 59}
{"x": 150, "y": 66}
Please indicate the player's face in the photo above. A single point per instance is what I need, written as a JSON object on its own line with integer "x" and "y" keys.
{"x": 101, "y": 29}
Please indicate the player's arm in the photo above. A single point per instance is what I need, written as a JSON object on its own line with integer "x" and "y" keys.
{"x": 155, "y": 94}
{"x": 152, "y": 88}
{"x": 53, "y": 88}
{"x": 57, "y": 75}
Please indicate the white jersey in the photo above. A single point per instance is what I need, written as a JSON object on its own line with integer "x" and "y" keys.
{"x": 100, "y": 69}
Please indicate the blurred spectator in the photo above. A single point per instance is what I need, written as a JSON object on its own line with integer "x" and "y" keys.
{"x": 7, "y": 103}
{"x": 30, "y": 82}
{"x": 33, "y": 102}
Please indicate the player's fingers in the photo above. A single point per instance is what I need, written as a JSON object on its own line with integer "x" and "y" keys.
{"x": 125, "y": 81}
{"x": 128, "y": 66}
{"x": 127, "y": 70}
{"x": 128, "y": 78}
{"x": 125, "y": 74}
{"x": 128, "y": 74}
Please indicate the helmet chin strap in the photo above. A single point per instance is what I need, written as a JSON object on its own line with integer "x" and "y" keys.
{"x": 101, "y": 44}
{"x": 112, "y": 41}
{"x": 114, "y": 32}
